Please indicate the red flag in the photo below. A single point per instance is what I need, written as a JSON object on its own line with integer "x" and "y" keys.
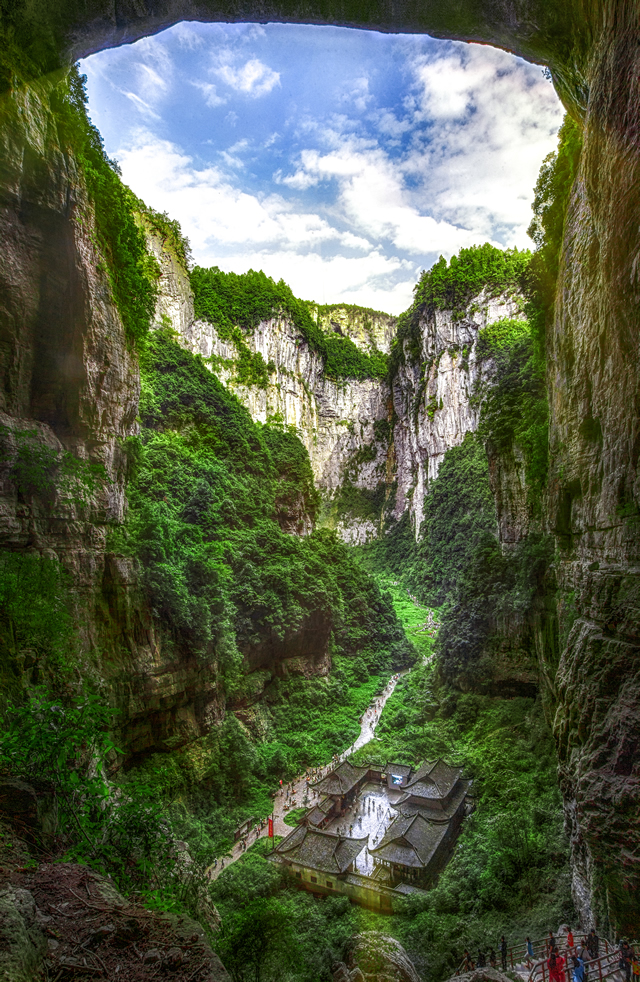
{"x": 271, "y": 828}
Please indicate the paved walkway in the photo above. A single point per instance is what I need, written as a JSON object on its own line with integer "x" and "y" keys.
{"x": 298, "y": 795}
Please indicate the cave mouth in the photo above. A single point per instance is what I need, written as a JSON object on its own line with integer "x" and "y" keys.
{"x": 344, "y": 161}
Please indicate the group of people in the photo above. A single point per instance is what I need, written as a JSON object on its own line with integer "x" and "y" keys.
{"x": 469, "y": 965}
{"x": 570, "y": 965}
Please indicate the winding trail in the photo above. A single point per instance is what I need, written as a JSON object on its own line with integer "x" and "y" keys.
{"x": 295, "y": 799}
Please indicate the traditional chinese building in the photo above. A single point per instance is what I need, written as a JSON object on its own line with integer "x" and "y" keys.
{"x": 418, "y": 841}
{"x": 318, "y": 860}
{"x": 428, "y": 804}
{"x": 342, "y": 785}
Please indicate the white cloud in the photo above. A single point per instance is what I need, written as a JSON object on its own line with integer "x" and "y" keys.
{"x": 235, "y": 230}
{"x": 211, "y": 97}
{"x": 490, "y": 119}
{"x": 373, "y": 195}
{"x": 253, "y": 78}
{"x": 186, "y": 37}
{"x": 141, "y": 105}
{"x": 346, "y": 198}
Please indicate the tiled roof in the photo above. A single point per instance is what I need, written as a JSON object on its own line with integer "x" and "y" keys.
{"x": 402, "y": 770}
{"x": 411, "y": 804}
{"x": 341, "y": 780}
{"x": 320, "y": 850}
{"x": 433, "y": 780}
{"x": 410, "y": 841}
{"x": 315, "y": 816}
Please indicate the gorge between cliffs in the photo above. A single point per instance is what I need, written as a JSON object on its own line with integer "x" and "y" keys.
{"x": 241, "y": 531}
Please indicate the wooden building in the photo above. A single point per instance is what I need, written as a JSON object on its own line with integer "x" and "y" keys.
{"x": 318, "y": 860}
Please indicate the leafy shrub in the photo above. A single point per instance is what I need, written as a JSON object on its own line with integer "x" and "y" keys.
{"x": 36, "y": 626}
{"x": 40, "y": 470}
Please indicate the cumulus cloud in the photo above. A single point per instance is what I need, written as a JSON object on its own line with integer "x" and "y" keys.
{"x": 253, "y": 78}
{"x": 484, "y": 120}
{"x": 373, "y": 196}
{"x": 211, "y": 97}
{"x": 369, "y": 158}
{"x": 236, "y": 230}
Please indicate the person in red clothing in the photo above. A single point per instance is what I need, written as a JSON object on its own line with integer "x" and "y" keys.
{"x": 556, "y": 966}
{"x": 570, "y": 939}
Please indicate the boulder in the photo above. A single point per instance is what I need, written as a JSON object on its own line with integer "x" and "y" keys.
{"x": 375, "y": 957}
{"x": 22, "y": 943}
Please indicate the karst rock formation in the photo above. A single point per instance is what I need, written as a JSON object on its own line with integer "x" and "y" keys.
{"x": 66, "y": 371}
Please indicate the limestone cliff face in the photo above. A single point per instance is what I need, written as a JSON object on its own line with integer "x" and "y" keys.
{"x": 362, "y": 433}
{"x": 594, "y": 495}
{"x": 366, "y": 328}
{"x": 70, "y": 383}
{"x": 433, "y": 396}
{"x": 335, "y": 420}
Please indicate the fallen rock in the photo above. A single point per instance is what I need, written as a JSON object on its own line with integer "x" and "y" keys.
{"x": 152, "y": 957}
{"x": 375, "y": 957}
{"x": 22, "y": 943}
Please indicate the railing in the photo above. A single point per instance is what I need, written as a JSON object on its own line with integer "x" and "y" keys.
{"x": 540, "y": 971}
{"x": 606, "y": 964}
{"x": 517, "y": 953}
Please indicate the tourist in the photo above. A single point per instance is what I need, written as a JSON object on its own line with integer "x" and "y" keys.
{"x": 530, "y": 953}
{"x": 593, "y": 943}
{"x": 624, "y": 963}
{"x": 482, "y": 961}
{"x": 578, "y": 969}
{"x": 503, "y": 952}
{"x": 551, "y": 942}
{"x": 556, "y": 966}
{"x": 570, "y": 939}
{"x": 492, "y": 958}
{"x": 467, "y": 961}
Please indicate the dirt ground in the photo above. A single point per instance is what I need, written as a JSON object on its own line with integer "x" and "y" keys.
{"x": 92, "y": 932}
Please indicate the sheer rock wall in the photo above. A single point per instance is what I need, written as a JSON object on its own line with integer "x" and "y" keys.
{"x": 433, "y": 398}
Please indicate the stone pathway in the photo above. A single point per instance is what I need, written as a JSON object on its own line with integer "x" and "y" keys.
{"x": 295, "y": 799}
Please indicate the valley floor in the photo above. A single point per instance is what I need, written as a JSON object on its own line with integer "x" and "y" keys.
{"x": 297, "y": 792}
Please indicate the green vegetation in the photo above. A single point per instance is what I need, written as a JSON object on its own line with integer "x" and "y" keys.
{"x": 510, "y": 871}
{"x": 208, "y": 504}
{"x": 168, "y": 230}
{"x": 236, "y": 304}
{"x": 210, "y": 497}
{"x": 457, "y": 564}
{"x": 514, "y": 410}
{"x": 550, "y": 203}
{"x": 42, "y": 471}
{"x": 61, "y": 746}
{"x": 295, "y": 816}
{"x": 451, "y": 286}
{"x": 36, "y": 626}
{"x": 275, "y": 933}
{"x": 132, "y": 271}
{"x": 412, "y": 615}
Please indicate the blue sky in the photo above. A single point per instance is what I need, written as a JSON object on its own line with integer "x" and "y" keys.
{"x": 342, "y": 161}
